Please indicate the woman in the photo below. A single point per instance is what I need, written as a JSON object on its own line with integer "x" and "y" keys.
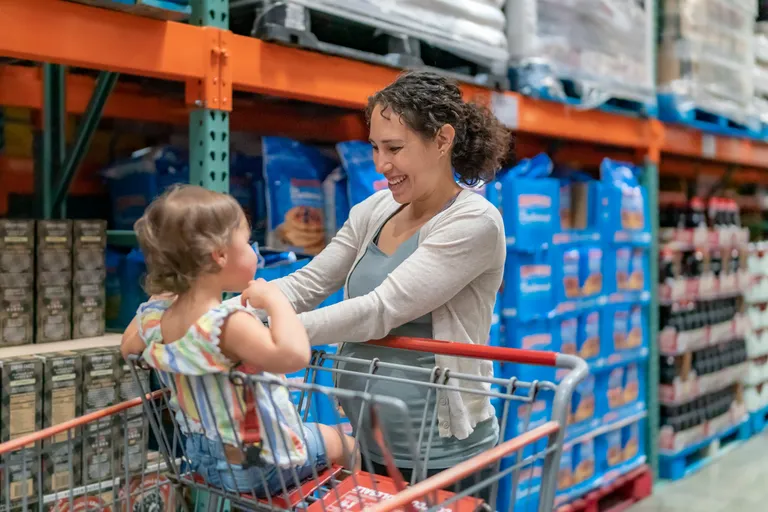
{"x": 423, "y": 259}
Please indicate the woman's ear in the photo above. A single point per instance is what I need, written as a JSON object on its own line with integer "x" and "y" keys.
{"x": 444, "y": 139}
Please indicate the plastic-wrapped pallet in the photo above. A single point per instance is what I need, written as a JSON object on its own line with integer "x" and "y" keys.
{"x": 603, "y": 48}
{"x": 706, "y": 58}
{"x": 473, "y": 29}
{"x": 760, "y": 75}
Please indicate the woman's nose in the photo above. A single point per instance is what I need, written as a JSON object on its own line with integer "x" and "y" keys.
{"x": 384, "y": 166}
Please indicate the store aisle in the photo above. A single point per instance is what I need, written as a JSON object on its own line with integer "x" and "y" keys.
{"x": 737, "y": 482}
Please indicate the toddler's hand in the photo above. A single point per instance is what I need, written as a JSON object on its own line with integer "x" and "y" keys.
{"x": 260, "y": 294}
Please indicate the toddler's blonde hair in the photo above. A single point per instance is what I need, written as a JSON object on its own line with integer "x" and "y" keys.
{"x": 179, "y": 232}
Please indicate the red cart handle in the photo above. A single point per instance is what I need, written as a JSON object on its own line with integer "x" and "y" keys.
{"x": 450, "y": 348}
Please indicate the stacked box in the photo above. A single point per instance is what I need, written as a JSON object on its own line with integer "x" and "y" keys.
{"x": 54, "y": 280}
{"x": 133, "y": 433}
{"x": 17, "y": 242}
{"x": 100, "y": 372}
{"x": 20, "y": 415}
{"x": 90, "y": 272}
{"x": 62, "y": 401}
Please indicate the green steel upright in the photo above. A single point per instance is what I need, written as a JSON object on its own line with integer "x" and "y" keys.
{"x": 651, "y": 183}
{"x": 209, "y": 128}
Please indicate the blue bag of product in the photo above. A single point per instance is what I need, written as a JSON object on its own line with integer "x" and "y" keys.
{"x": 135, "y": 182}
{"x": 363, "y": 180}
{"x": 294, "y": 174}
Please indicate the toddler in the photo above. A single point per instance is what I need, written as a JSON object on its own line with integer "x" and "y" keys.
{"x": 196, "y": 244}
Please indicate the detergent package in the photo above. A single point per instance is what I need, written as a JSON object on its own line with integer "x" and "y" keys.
{"x": 530, "y": 204}
{"x": 363, "y": 180}
{"x": 591, "y": 271}
{"x": 568, "y": 265}
{"x": 294, "y": 174}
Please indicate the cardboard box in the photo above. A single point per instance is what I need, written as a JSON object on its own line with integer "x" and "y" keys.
{"x": 53, "y": 313}
{"x": 134, "y": 431}
{"x": 62, "y": 401}
{"x": 100, "y": 373}
{"x": 88, "y": 309}
{"x": 90, "y": 243}
{"x": 20, "y": 415}
{"x": 54, "y": 246}
{"x": 17, "y": 314}
{"x": 17, "y": 243}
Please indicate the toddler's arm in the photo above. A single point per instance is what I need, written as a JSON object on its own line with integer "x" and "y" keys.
{"x": 282, "y": 348}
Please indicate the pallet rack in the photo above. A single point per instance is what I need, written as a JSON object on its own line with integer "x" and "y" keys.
{"x": 212, "y": 63}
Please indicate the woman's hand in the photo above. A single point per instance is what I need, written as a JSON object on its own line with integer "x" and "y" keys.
{"x": 261, "y": 294}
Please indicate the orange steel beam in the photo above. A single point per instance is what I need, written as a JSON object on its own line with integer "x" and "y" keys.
{"x": 681, "y": 141}
{"x": 22, "y": 87}
{"x": 79, "y": 35}
{"x": 276, "y": 70}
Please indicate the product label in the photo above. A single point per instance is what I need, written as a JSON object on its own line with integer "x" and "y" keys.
{"x": 593, "y": 282}
{"x": 635, "y": 336}
{"x": 571, "y": 273}
{"x": 584, "y": 461}
{"x": 590, "y": 347}
{"x": 637, "y": 278}
{"x": 534, "y": 209}
{"x": 620, "y": 329}
{"x": 615, "y": 454}
{"x": 632, "y": 209}
{"x": 565, "y": 473}
{"x": 630, "y": 441}
{"x": 584, "y": 400}
{"x": 534, "y": 341}
{"x": 623, "y": 260}
{"x": 568, "y": 336}
{"x": 631, "y": 385}
{"x": 565, "y": 208}
{"x": 535, "y": 279}
{"x": 615, "y": 390}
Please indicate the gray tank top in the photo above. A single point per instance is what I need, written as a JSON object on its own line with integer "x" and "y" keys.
{"x": 445, "y": 452}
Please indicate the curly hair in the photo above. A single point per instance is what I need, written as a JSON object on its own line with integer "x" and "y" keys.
{"x": 427, "y": 101}
{"x": 179, "y": 232}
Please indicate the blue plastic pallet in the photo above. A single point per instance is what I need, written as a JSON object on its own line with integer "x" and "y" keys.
{"x": 171, "y": 10}
{"x": 573, "y": 97}
{"x": 693, "y": 458}
{"x": 758, "y": 420}
{"x": 674, "y": 109}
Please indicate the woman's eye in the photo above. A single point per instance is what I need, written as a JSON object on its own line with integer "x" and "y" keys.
{"x": 395, "y": 150}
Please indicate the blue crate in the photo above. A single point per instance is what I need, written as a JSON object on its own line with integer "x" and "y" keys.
{"x": 691, "y": 459}
{"x": 676, "y": 109}
{"x": 537, "y": 81}
{"x": 171, "y": 10}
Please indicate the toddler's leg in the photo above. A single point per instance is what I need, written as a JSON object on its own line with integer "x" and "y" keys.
{"x": 339, "y": 447}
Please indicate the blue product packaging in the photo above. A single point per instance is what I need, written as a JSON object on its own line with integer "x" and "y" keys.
{"x": 589, "y": 346}
{"x": 566, "y": 222}
{"x": 569, "y": 334}
{"x": 583, "y": 404}
{"x": 567, "y": 267}
{"x": 631, "y": 385}
{"x": 328, "y": 407}
{"x": 241, "y": 171}
{"x": 132, "y": 286}
{"x": 533, "y": 335}
{"x": 639, "y": 271}
{"x": 616, "y": 318}
{"x": 591, "y": 271}
{"x": 613, "y": 389}
{"x": 336, "y": 203}
{"x": 115, "y": 261}
{"x": 530, "y": 204}
{"x": 613, "y": 453}
{"x": 632, "y": 442}
{"x": 622, "y": 268}
{"x": 295, "y": 214}
{"x": 133, "y": 183}
{"x": 363, "y": 180}
{"x": 625, "y": 196}
{"x": 635, "y": 336}
{"x": 527, "y": 288}
{"x": 583, "y": 462}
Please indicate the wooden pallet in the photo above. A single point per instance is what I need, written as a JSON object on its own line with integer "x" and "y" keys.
{"x": 617, "y": 496}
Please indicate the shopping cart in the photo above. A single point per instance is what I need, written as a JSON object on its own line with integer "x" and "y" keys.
{"x": 517, "y": 473}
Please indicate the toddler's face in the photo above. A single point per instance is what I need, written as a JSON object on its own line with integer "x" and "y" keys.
{"x": 240, "y": 267}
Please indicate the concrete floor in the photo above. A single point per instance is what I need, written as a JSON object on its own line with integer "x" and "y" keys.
{"x": 736, "y": 482}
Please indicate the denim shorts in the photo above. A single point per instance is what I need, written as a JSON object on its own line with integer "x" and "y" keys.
{"x": 207, "y": 458}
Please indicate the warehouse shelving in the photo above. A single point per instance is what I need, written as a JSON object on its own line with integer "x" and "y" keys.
{"x": 212, "y": 64}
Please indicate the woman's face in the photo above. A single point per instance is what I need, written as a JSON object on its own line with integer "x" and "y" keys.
{"x": 413, "y": 166}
